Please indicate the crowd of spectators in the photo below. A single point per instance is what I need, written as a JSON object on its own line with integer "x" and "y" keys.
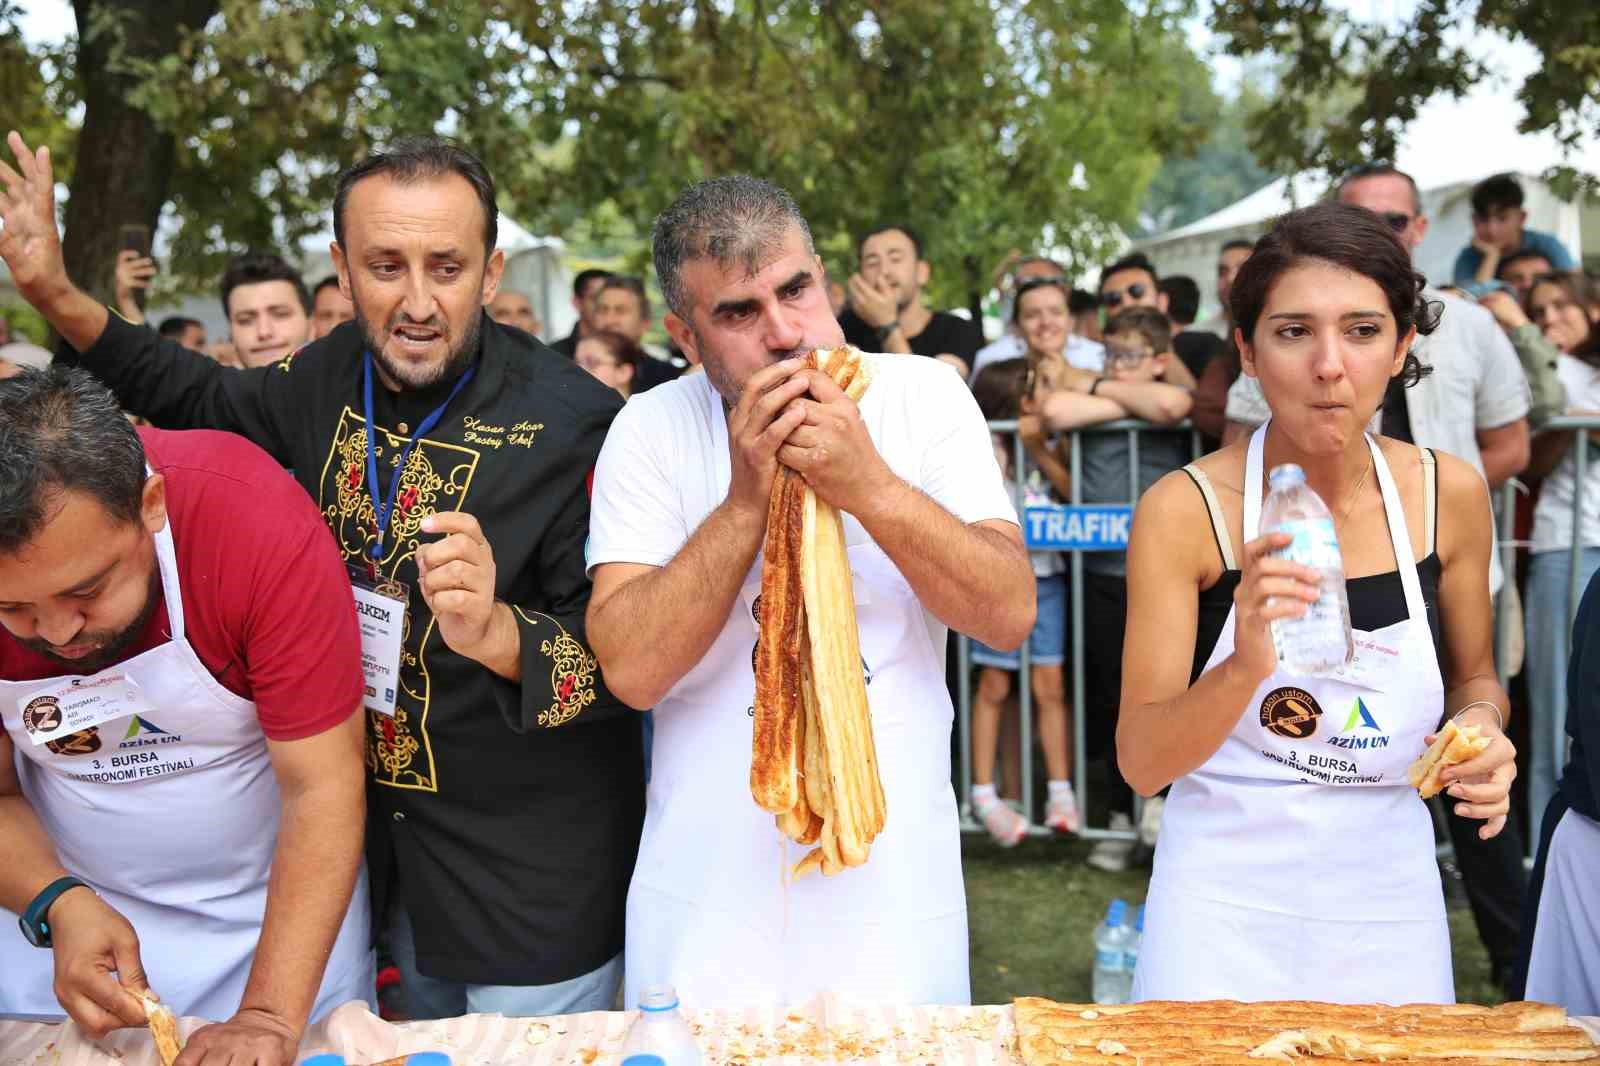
{"x": 1518, "y": 343}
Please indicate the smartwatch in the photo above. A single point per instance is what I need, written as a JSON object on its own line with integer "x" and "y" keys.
{"x": 34, "y": 927}
{"x": 885, "y": 332}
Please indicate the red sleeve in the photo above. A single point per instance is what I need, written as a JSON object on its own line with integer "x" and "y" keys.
{"x": 302, "y": 644}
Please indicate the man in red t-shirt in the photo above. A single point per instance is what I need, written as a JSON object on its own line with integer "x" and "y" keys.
{"x": 181, "y": 778}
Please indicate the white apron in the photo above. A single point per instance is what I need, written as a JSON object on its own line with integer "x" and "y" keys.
{"x": 1297, "y": 862}
{"x": 1564, "y": 965}
{"x": 710, "y": 909}
{"x": 172, "y": 817}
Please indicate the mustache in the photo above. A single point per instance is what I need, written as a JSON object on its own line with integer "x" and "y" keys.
{"x": 805, "y": 348}
{"x": 435, "y": 322}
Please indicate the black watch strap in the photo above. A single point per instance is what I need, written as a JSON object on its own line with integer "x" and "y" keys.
{"x": 885, "y": 332}
{"x": 34, "y": 926}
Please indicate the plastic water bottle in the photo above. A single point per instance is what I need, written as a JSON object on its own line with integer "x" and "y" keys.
{"x": 1319, "y": 642}
{"x": 1110, "y": 940}
{"x": 661, "y": 1032}
{"x": 1130, "y": 954}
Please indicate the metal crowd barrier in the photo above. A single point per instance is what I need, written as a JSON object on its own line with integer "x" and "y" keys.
{"x": 1554, "y": 750}
{"x": 1024, "y": 687}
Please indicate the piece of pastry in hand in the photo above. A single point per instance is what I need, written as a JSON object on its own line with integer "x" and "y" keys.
{"x": 1453, "y": 746}
{"x": 163, "y": 1028}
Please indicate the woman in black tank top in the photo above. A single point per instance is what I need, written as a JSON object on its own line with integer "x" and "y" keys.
{"x": 1326, "y": 308}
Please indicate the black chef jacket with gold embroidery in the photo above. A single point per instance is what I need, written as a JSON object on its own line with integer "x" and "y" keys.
{"x": 506, "y": 816}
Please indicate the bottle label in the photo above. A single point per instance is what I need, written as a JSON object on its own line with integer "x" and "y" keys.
{"x": 1315, "y": 543}
{"x": 1318, "y": 636}
{"x": 1107, "y": 959}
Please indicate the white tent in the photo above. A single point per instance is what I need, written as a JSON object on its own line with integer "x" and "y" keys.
{"x": 1192, "y": 249}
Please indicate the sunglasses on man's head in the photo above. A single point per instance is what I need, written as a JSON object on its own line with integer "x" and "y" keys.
{"x": 1113, "y": 297}
{"x": 1029, "y": 284}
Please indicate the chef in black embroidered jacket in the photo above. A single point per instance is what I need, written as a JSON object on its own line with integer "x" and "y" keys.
{"x": 507, "y": 799}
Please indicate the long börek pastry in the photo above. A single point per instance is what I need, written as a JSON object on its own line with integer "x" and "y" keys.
{"x": 813, "y": 761}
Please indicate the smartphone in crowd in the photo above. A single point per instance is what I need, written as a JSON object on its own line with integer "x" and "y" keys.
{"x": 135, "y": 238}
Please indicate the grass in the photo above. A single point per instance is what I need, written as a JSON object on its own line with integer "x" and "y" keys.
{"x": 1032, "y": 911}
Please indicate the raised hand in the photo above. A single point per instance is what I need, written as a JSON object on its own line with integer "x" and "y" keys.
{"x": 30, "y": 243}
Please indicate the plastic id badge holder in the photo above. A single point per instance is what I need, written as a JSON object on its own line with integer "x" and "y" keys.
{"x": 381, "y": 605}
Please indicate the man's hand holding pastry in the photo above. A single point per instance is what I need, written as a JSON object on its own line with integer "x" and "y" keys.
{"x": 767, "y": 413}
{"x": 834, "y": 452}
{"x": 98, "y": 971}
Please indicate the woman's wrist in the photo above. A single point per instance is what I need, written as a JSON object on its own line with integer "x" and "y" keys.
{"x": 1481, "y": 713}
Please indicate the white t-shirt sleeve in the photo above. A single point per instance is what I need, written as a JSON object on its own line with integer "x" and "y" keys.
{"x": 1246, "y": 402}
{"x": 1503, "y": 394}
{"x": 1582, "y": 382}
{"x": 635, "y": 515}
{"x": 958, "y": 467}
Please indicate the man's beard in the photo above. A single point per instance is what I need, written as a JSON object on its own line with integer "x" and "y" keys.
{"x": 458, "y": 353}
{"x": 111, "y": 647}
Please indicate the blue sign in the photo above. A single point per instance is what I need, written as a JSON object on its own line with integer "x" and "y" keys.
{"x": 1062, "y": 527}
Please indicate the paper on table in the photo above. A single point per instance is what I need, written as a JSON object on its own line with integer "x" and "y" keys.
{"x": 825, "y": 1032}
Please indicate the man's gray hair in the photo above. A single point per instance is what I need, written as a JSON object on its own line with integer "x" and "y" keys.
{"x": 730, "y": 219}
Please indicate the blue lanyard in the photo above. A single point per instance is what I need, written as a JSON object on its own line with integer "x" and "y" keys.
{"x": 384, "y": 507}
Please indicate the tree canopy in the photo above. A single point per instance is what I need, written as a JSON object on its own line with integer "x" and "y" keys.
{"x": 986, "y": 124}
{"x": 1387, "y": 71}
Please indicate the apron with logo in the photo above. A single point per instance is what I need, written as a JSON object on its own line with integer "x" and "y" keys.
{"x": 1298, "y": 862}
{"x": 711, "y": 908}
{"x": 171, "y": 814}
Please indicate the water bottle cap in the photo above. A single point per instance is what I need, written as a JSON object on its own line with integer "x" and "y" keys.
{"x": 1115, "y": 912}
{"x": 656, "y": 999}
{"x": 1285, "y": 475}
{"x": 324, "y": 1060}
{"x": 428, "y": 1058}
{"x": 1138, "y": 921}
{"x": 644, "y": 1060}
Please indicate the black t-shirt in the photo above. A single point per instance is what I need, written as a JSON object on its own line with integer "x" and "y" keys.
{"x": 652, "y": 372}
{"x": 945, "y": 334}
{"x": 506, "y": 815}
{"x": 568, "y": 345}
{"x": 1196, "y": 348}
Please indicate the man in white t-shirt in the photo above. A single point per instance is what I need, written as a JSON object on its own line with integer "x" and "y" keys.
{"x": 678, "y": 519}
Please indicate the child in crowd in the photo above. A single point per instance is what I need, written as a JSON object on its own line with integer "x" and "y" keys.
{"x": 1138, "y": 354}
{"x": 1005, "y": 390}
{"x": 1499, "y": 230}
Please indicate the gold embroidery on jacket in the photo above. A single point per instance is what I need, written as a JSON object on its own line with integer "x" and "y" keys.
{"x": 572, "y": 669}
{"x": 437, "y": 477}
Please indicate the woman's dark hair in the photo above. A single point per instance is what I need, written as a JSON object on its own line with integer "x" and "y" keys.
{"x": 622, "y": 349}
{"x": 1039, "y": 283}
{"x": 1583, "y": 291}
{"x": 1351, "y": 238}
{"x": 998, "y": 389}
